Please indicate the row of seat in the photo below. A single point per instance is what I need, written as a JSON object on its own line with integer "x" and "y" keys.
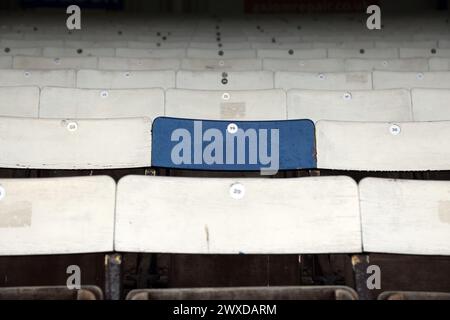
{"x": 256, "y": 105}
{"x": 300, "y": 65}
{"x": 227, "y": 43}
{"x": 229, "y": 80}
{"x": 295, "y": 144}
{"x": 288, "y": 53}
{"x": 152, "y": 214}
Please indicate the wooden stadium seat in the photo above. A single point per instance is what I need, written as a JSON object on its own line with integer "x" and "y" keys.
{"x": 221, "y": 64}
{"x": 22, "y": 62}
{"x": 40, "y": 78}
{"x": 57, "y": 215}
{"x": 150, "y": 53}
{"x": 147, "y": 221}
{"x": 21, "y": 43}
{"x": 426, "y": 44}
{"x": 239, "y": 45}
{"x": 121, "y": 64}
{"x": 82, "y": 44}
{"x": 226, "y": 105}
{"x": 217, "y": 80}
{"x": 383, "y": 146}
{"x": 304, "y": 65}
{"x": 51, "y": 293}
{"x": 292, "y": 53}
{"x": 439, "y": 64}
{"x": 95, "y": 79}
{"x": 7, "y": 51}
{"x": 6, "y": 62}
{"x": 405, "y": 216}
{"x": 71, "y": 103}
{"x": 430, "y": 104}
{"x": 373, "y": 105}
{"x": 417, "y": 65}
{"x": 220, "y": 53}
{"x": 247, "y": 293}
{"x": 323, "y": 81}
{"x": 19, "y": 102}
{"x": 424, "y": 53}
{"x": 265, "y": 146}
{"x": 73, "y": 52}
{"x": 408, "y": 80}
{"x": 364, "y": 53}
{"x": 74, "y": 144}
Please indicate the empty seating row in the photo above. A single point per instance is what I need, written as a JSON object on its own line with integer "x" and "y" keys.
{"x": 299, "y": 65}
{"x": 215, "y": 145}
{"x": 271, "y": 104}
{"x": 218, "y": 80}
{"x": 228, "y": 43}
{"x": 220, "y": 52}
{"x": 271, "y": 216}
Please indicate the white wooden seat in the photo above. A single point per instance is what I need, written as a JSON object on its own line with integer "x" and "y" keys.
{"x": 40, "y": 78}
{"x": 56, "y": 215}
{"x": 150, "y": 53}
{"x": 408, "y": 80}
{"x": 383, "y": 146}
{"x": 373, "y": 105}
{"x": 304, "y": 65}
{"x": 425, "y": 44}
{"x": 293, "y": 53}
{"x": 81, "y": 44}
{"x": 226, "y": 105}
{"x": 424, "y": 53}
{"x": 121, "y": 64}
{"x": 221, "y": 64}
{"x": 431, "y": 104}
{"x": 22, "y": 62}
{"x": 364, "y": 53}
{"x": 21, "y": 43}
{"x": 94, "y": 79}
{"x": 6, "y": 62}
{"x": 74, "y": 144}
{"x": 94, "y": 103}
{"x": 217, "y": 80}
{"x": 418, "y": 65}
{"x": 152, "y": 215}
{"x": 220, "y": 53}
{"x": 323, "y": 81}
{"x": 405, "y": 216}
{"x": 6, "y": 51}
{"x": 73, "y": 52}
{"x": 19, "y": 102}
{"x": 439, "y": 64}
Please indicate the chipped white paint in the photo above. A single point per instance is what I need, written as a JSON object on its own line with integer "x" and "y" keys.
{"x": 94, "y": 144}
{"x": 94, "y": 103}
{"x": 234, "y": 105}
{"x": 300, "y": 215}
{"x": 57, "y": 215}
{"x": 377, "y": 105}
{"x": 405, "y": 216}
{"x": 420, "y": 146}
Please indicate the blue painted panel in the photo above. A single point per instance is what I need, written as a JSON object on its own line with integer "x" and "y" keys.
{"x": 213, "y": 145}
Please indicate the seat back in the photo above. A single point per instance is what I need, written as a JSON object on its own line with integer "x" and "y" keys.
{"x": 19, "y": 102}
{"x": 405, "y": 216}
{"x": 56, "y": 215}
{"x": 226, "y": 105}
{"x": 75, "y": 144}
{"x": 93, "y": 103}
{"x": 383, "y": 146}
{"x": 247, "y": 216}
